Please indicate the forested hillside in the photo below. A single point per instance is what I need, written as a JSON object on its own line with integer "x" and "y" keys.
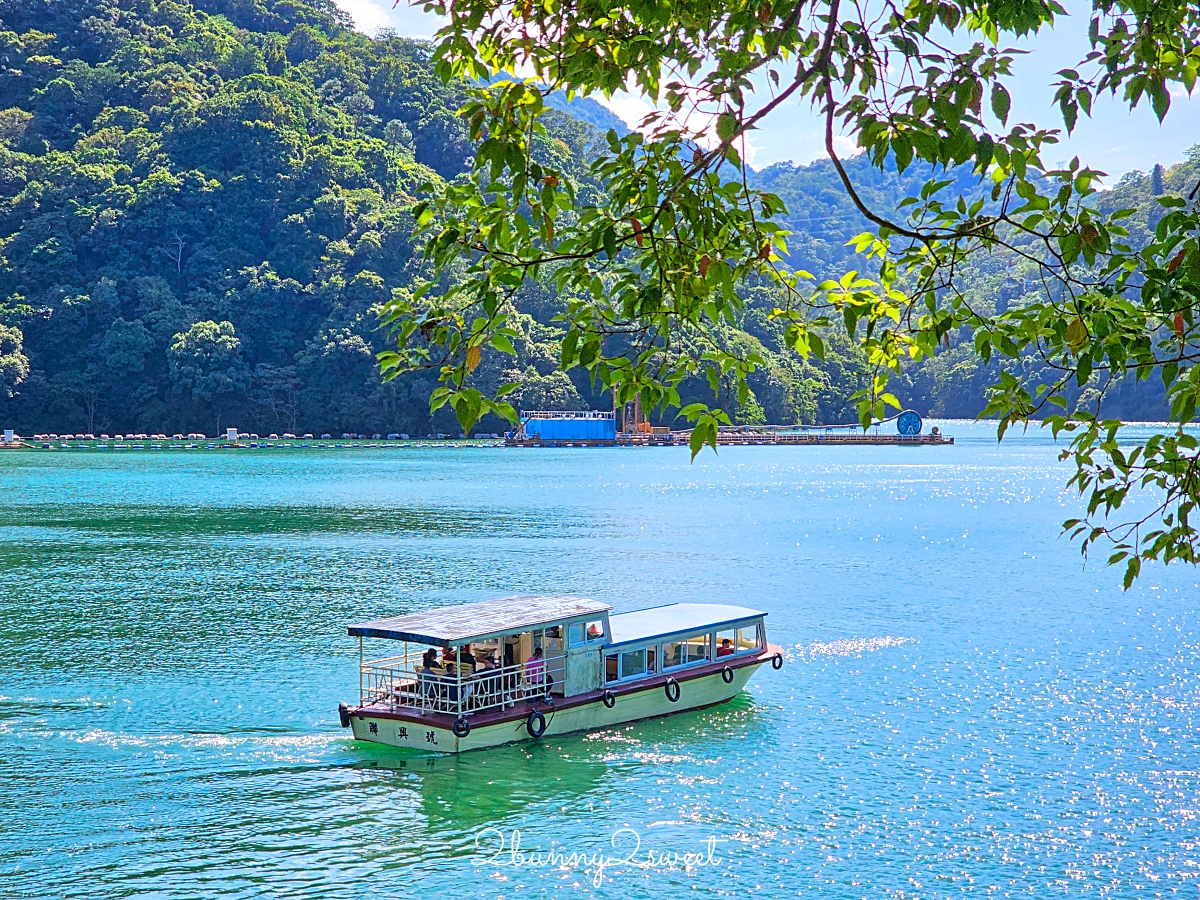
{"x": 203, "y": 207}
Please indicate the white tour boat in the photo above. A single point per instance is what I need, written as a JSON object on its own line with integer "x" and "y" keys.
{"x": 521, "y": 668}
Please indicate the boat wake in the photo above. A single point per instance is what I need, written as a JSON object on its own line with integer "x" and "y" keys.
{"x": 849, "y": 646}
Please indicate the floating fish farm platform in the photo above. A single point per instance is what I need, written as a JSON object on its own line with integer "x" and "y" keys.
{"x": 681, "y": 438}
{"x": 594, "y": 428}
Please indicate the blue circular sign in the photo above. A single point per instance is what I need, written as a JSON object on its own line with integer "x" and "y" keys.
{"x": 908, "y": 422}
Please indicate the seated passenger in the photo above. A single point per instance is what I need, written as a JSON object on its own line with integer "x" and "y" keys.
{"x": 726, "y": 648}
{"x": 429, "y": 675}
{"x": 488, "y": 680}
{"x": 465, "y": 660}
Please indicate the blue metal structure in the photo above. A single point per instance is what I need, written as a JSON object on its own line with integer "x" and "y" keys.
{"x": 569, "y": 426}
{"x": 572, "y": 429}
{"x": 908, "y": 422}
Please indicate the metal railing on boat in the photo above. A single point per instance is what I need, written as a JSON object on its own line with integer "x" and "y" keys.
{"x": 401, "y": 682}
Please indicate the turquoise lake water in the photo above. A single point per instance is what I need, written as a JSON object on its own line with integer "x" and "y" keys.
{"x": 966, "y": 710}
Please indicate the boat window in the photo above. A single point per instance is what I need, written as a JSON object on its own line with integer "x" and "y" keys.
{"x": 554, "y": 639}
{"x": 611, "y": 673}
{"x": 587, "y": 632}
{"x": 696, "y": 648}
{"x": 651, "y": 660}
{"x": 748, "y": 637}
{"x": 673, "y": 654}
{"x": 727, "y": 642}
{"x": 633, "y": 662}
{"x": 693, "y": 648}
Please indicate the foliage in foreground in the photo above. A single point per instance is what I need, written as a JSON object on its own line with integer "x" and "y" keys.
{"x": 654, "y": 249}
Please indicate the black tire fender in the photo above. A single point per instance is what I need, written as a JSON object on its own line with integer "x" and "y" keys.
{"x": 777, "y": 662}
{"x": 461, "y": 727}
{"x": 610, "y": 699}
{"x": 727, "y": 675}
{"x": 536, "y": 724}
{"x": 672, "y": 689}
{"x": 344, "y": 715}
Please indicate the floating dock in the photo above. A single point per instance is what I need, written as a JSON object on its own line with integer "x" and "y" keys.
{"x": 582, "y": 428}
{"x": 682, "y": 438}
{"x": 593, "y": 428}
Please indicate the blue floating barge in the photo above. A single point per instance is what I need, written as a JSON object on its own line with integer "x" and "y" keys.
{"x": 561, "y": 428}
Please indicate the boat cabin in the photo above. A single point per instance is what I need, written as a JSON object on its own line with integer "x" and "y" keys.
{"x": 677, "y": 636}
{"x": 492, "y": 656}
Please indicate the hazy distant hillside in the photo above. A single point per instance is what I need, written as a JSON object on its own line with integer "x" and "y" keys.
{"x": 588, "y": 110}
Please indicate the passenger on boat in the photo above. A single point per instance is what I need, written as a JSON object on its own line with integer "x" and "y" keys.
{"x": 535, "y": 668}
{"x": 726, "y": 648}
{"x": 488, "y": 686}
{"x": 466, "y": 660}
{"x": 429, "y": 676}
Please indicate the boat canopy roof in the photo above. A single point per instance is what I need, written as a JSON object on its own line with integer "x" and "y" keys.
{"x": 674, "y": 618}
{"x": 452, "y": 625}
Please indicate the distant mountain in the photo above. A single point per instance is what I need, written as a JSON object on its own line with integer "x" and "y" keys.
{"x": 588, "y": 110}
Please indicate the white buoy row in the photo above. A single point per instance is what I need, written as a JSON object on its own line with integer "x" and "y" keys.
{"x": 236, "y": 440}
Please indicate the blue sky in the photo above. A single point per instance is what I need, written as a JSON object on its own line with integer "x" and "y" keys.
{"x": 1114, "y": 140}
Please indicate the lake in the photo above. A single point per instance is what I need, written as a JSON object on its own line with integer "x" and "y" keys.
{"x": 965, "y": 708}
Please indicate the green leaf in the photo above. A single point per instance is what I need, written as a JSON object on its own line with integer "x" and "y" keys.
{"x": 1001, "y": 102}
{"x": 727, "y": 126}
{"x": 1132, "y": 570}
{"x": 1160, "y": 100}
{"x": 609, "y": 236}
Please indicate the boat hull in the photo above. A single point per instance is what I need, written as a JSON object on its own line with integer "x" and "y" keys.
{"x": 631, "y": 705}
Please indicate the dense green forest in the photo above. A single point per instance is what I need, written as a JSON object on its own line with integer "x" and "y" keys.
{"x": 203, "y": 207}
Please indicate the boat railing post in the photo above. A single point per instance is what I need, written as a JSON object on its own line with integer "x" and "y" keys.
{"x": 458, "y": 675}
{"x": 360, "y": 671}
